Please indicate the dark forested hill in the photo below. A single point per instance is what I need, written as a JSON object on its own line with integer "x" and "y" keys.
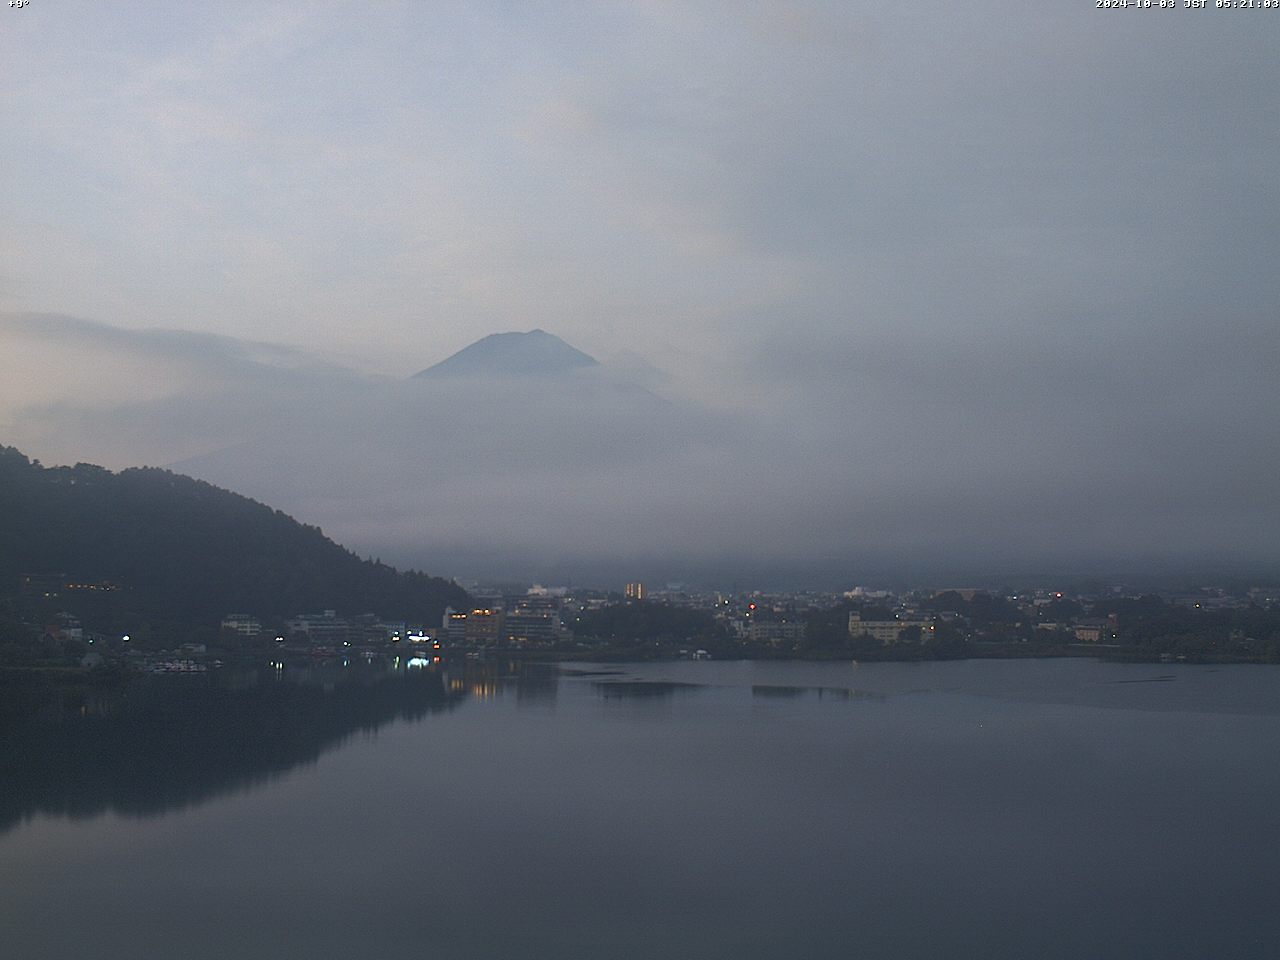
{"x": 185, "y": 552}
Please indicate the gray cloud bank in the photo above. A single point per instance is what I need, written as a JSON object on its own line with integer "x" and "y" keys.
{"x": 879, "y": 288}
{"x": 688, "y": 174}
{"x": 854, "y": 458}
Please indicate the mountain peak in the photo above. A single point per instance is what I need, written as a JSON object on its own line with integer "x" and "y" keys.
{"x": 532, "y": 354}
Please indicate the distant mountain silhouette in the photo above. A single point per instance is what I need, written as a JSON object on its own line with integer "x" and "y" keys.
{"x": 519, "y": 425}
{"x": 533, "y": 354}
{"x": 185, "y": 552}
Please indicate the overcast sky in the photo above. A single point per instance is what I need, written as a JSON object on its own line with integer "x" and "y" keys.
{"x": 944, "y": 286}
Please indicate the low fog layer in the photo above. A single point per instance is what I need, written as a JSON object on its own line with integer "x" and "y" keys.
{"x": 830, "y": 461}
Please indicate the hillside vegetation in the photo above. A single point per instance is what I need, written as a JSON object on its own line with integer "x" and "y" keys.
{"x": 183, "y": 552}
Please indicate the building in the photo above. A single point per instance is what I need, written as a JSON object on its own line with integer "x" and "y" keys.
{"x": 535, "y": 619}
{"x": 242, "y": 624}
{"x": 1094, "y": 630}
{"x": 635, "y": 591}
{"x": 485, "y": 625}
{"x": 887, "y": 631}
{"x": 862, "y": 593}
{"x": 63, "y": 627}
{"x": 326, "y": 627}
{"x": 538, "y": 590}
{"x": 776, "y": 632}
{"x": 454, "y": 625}
{"x": 370, "y": 628}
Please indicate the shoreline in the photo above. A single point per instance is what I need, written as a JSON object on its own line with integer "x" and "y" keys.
{"x": 112, "y": 672}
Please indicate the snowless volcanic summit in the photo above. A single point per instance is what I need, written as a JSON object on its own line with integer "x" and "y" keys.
{"x": 533, "y": 354}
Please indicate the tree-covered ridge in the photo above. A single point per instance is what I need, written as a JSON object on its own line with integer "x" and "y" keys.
{"x": 183, "y": 551}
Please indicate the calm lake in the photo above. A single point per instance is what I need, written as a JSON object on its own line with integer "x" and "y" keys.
{"x": 978, "y": 809}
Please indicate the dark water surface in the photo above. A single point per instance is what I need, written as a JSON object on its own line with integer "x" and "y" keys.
{"x": 983, "y": 809}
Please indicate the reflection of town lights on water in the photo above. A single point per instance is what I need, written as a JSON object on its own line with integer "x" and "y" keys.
{"x": 418, "y": 662}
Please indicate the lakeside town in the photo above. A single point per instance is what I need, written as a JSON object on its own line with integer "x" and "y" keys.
{"x": 48, "y": 628}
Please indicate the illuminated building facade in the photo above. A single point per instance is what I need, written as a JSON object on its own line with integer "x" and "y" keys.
{"x": 485, "y": 625}
{"x": 535, "y": 619}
